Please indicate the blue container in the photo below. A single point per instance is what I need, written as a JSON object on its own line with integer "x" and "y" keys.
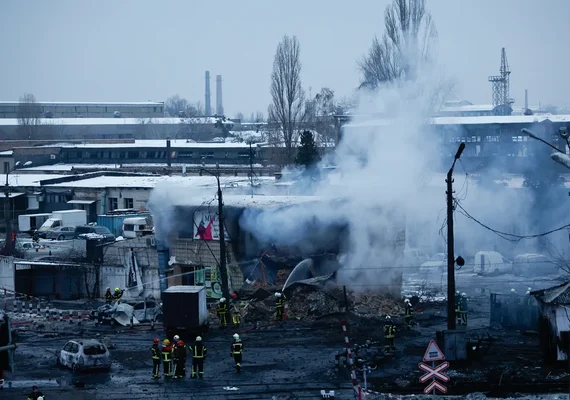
{"x": 115, "y": 222}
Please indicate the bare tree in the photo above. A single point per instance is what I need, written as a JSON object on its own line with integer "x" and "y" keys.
{"x": 29, "y": 114}
{"x": 177, "y": 106}
{"x": 406, "y": 45}
{"x": 259, "y": 117}
{"x": 287, "y": 108}
{"x": 240, "y": 116}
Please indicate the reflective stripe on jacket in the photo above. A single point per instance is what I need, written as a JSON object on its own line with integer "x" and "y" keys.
{"x": 237, "y": 348}
{"x": 155, "y": 352}
{"x": 198, "y": 351}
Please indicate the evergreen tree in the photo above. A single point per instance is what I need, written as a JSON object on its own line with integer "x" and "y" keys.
{"x": 308, "y": 153}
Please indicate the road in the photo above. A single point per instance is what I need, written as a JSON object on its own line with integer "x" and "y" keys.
{"x": 281, "y": 361}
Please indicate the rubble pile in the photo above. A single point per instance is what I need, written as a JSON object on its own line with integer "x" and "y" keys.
{"x": 370, "y": 305}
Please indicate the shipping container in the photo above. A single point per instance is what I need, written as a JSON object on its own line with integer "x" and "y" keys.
{"x": 115, "y": 222}
{"x": 185, "y": 311}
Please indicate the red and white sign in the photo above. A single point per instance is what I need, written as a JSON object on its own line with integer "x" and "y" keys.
{"x": 433, "y": 386}
{"x": 434, "y": 372}
{"x": 433, "y": 353}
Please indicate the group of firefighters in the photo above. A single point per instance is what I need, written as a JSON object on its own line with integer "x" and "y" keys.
{"x": 172, "y": 356}
{"x": 390, "y": 327}
{"x": 224, "y": 311}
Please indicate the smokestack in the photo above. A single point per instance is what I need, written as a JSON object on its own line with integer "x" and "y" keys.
{"x": 168, "y": 153}
{"x": 526, "y": 99}
{"x": 208, "y": 105}
{"x": 219, "y": 103}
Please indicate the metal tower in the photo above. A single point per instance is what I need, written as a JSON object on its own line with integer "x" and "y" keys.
{"x": 501, "y": 86}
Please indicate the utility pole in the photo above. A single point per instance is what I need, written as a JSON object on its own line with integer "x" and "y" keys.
{"x": 451, "y": 245}
{"x": 223, "y": 268}
{"x": 251, "y": 168}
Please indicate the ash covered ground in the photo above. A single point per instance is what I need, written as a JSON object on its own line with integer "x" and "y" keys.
{"x": 295, "y": 359}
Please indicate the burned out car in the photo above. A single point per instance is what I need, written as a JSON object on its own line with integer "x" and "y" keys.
{"x": 123, "y": 313}
{"x": 81, "y": 355}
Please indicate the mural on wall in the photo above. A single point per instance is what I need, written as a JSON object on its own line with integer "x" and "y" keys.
{"x": 207, "y": 226}
{"x": 210, "y": 278}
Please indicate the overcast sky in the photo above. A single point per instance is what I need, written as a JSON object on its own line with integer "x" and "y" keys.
{"x": 128, "y": 50}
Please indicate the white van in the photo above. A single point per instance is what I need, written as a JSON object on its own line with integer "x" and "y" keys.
{"x": 491, "y": 263}
{"x": 137, "y": 226}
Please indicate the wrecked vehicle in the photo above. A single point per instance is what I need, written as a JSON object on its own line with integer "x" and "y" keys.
{"x": 185, "y": 311}
{"x": 122, "y": 312}
{"x": 81, "y": 355}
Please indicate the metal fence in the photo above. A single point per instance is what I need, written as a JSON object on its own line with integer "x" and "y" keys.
{"x": 514, "y": 311}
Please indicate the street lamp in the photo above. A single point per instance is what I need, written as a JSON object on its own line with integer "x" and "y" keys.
{"x": 10, "y": 240}
{"x": 451, "y": 245}
{"x": 223, "y": 270}
{"x": 559, "y": 156}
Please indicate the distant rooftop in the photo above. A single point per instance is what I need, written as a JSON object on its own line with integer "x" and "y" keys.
{"x": 150, "y": 144}
{"x": 118, "y": 121}
{"x": 88, "y": 103}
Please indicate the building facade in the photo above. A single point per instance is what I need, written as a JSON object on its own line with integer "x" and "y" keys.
{"x": 10, "y": 109}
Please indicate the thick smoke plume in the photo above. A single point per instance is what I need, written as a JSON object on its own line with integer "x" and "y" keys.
{"x": 395, "y": 165}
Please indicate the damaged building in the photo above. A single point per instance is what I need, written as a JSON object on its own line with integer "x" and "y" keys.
{"x": 554, "y": 321}
{"x": 267, "y": 253}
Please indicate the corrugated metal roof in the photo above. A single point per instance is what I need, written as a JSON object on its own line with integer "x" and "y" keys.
{"x": 555, "y": 295}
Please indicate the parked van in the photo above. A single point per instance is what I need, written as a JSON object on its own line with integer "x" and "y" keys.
{"x": 491, "y": 263}
{"x": 137, "y": 226}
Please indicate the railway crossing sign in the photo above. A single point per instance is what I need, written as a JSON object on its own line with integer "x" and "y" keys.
{"x": 436, "y": 372}
{"x": 433, "y": 372}
{"x": 433, "y": 353}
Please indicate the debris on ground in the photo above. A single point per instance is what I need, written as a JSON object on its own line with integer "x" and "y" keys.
{"x": 314, "y": 298}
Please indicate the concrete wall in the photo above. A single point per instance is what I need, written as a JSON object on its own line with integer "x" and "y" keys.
{"x": 114, "y": 272}
{"x": 7, "y": 274}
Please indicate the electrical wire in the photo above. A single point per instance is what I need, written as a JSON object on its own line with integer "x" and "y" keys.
{"x": 504, "y": 235}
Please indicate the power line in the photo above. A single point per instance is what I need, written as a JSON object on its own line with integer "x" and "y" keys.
{"x": 504, "y": 235}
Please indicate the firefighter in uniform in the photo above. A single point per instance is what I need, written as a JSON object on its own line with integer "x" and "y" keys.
{"x": 279, "y": 306}
{"x": 118, "y": 294}
{"x": 463, "y": 309}
{"x": 108, "y": 296}
{"x": 155, "y": 351}
{"x": 198, "y": 356}
{"x": 222, "y": 311}
{"x": 235, "y": 313}
{"x": 166, "y": 353}
{"x": 35, "y": 394}
{"x": 179, "y": 360}
{"x": 237, "y": 352}
{"x": 389, "y": 335}
{"x": 409, "y": 316}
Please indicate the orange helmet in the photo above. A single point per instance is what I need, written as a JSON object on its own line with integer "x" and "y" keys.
{"x": 180, "y": 343}
{"x": 156, "y": 340}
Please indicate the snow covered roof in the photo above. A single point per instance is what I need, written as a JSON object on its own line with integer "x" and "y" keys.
{"x": 150, "y": 144}
{"x": 467, "y": 107}
{"x": 117, "y": 121}
{"x": 248, "y": 201}
{"x": 6, "y": 153}
{"x": 25, "y": 180}
{"x": 149, "y": 182}
{"x": 87, "y": 103}
{"x": 479, "y": 120}
{"x": 99, "y": 167}
{"x": 559, "y": 295}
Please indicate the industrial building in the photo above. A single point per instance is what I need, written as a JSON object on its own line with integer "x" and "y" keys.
{"x": 47, "y": 109}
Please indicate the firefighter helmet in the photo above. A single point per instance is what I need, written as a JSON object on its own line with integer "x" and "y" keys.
{"x": 117, "y": 289}
{"x": 463, "y": 294}
{"x": 277, "y": 294}
{"x": 198, "y": 338}
{"x": 223, "y": 300}
{"x": 166, "y": 342}
{"x": 407, "y": 301}
{"x": 180, "y": 343}
{"x": 176, "y": 338}
{"x": 513, "y": 291}
{"x": 529, "y": 289}
{"x": 388, "y": 318}
{"x": 108, "y": 288}
{"x": 156, "y": 340}
{"x": 236, "y": 336}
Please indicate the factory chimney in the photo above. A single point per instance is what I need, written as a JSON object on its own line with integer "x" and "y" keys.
{"x": 219, "y": 104}
{"x": 208, "y": 104}
{"x": 526, "y": 99}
